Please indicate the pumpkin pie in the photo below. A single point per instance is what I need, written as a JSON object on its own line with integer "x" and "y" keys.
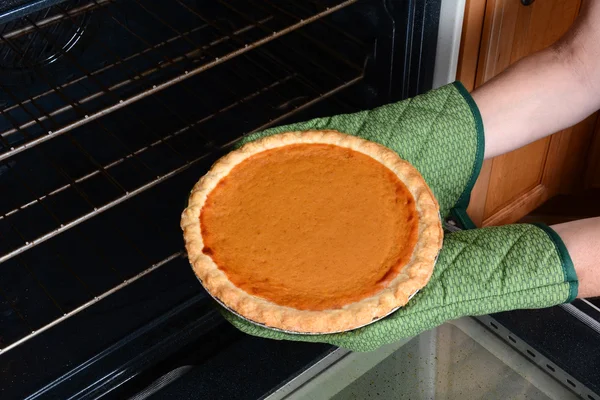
{"x": 312, "y": 232}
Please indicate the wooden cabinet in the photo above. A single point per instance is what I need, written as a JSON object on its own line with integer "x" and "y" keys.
{"x": 592, "y": 178}
{"x": 497, "y": 33}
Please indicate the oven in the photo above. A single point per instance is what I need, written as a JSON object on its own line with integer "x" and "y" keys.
{"x": 110, "y": 110}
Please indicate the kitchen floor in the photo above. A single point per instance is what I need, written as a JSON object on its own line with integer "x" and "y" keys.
{"x": 457, "y": 368}
{"x": 458, "y": 360}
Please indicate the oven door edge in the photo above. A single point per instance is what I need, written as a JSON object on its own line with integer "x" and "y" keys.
{"x": 448, "y": 42}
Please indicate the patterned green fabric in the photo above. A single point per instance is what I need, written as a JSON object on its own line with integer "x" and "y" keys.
{"x": 478, "y": 272}
{"x": 439, "y": 132}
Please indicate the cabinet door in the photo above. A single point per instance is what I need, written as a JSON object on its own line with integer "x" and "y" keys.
{"x": 593, "y": 168}
{"x": 512, "y": 185}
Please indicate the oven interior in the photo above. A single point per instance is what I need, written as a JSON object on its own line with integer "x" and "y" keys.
{"x": 110, "y": 112}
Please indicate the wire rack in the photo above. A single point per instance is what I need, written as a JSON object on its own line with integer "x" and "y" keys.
{"x": 102, "y": 101}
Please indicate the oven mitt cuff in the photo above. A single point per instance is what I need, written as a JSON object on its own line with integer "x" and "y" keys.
{"x": 439, "y": 132}
{"x": 478, "y": 272}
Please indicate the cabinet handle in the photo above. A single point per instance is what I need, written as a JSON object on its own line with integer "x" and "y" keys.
{"x": 527, "y": 2}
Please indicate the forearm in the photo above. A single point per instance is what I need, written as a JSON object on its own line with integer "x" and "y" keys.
{"x": 546, "y": 92}
{"x": 534, "y": 98}
{"x": 582, "y": 239}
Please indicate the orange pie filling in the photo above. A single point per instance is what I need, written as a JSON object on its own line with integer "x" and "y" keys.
{"x": 310, "y": 226}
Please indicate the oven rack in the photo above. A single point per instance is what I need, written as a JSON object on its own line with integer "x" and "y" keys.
{"x": 97, "y": 210}
{"x": 126, "y": 194}
{"x": 268, "y": 27}
{"x": 41, "y": 121}
{"x": 90, "y": 167}
{"x": 100, "y": 94}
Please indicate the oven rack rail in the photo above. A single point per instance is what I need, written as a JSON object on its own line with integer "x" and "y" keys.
{"x": 45, "y": 122}
{"x": 89, "y": 303}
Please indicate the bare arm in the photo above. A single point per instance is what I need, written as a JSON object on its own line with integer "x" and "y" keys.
{"x": 545, "y": 92}
{"x": 582, "y": 239}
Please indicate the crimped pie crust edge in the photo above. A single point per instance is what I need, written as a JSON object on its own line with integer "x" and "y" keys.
{"x": 413, "y": 276}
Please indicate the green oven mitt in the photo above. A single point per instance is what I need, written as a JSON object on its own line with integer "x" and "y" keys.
{"x": 478, "y": 272}
{"x": 439, "y": 132}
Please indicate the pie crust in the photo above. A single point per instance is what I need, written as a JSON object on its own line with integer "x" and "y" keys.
{"x": 413, "y": 276}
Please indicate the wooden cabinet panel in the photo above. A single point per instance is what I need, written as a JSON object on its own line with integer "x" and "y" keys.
{"x": 567, "y": 160}
{"x": 592, "y": 175}
{"x": 512, "y": 185}
{"x": 513, "y": 175}
{"x": 470, "y": 42}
